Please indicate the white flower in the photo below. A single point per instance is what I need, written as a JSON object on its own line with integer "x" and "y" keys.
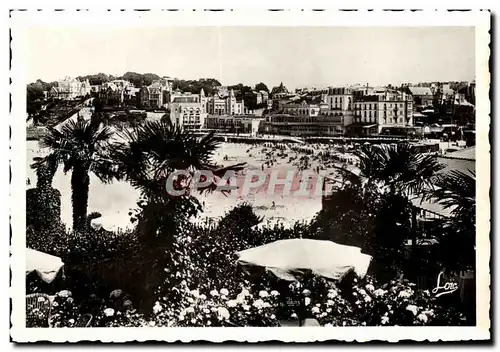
{"x": 189, "y": 310}
{"x": 232, "y": 303}
{"x": 240, "y": 298}
{"x": 41, "y": 299}
{"x": 64, "y": 293}
{"x": 263, "y": 294}
{"x": 157, "y": 308}
{"x": 224, "y": 292}
{"x": 223, "y": 313}
{"x": 71, "y": 321}
{"x": 379, "y": 292}
{"x": 213, "y": 309}
{"x": 370, "y": 287}
{"x": 214, "y": 293}
{"x": 246, "y": 307}
{"x": 307, "y": 301}
{"x": 315, "y": 310}
{"x": 152, "y": 323}
{"x": 258, "y": 303}
{"x": 332, "y": 294}
{"x": 368, "y": 299}
{"x": 109, "y": 312}
{"x": 363, "y": 292}
{"x": 429, "y": 312}
{"x": 195, "y": 293}
{"x": 412, "y": 308}
{"x": 202, "y": 296}
{"x": 275, "y": 293}
{"x": 209, "y": 323}
{"x": 422, "y": 317}
{"x": 193, "y": 321}
{"x": 404, "y": 294}
{"x": 328, "y": 310}
{"x": 245, "y": 292}
{"x": 181, "y": 317}
{"x": 206, "y": 310}
{"x": 330, "y": 302}
{"x": 294, "y": 316}
{"x": 272, "y": 316}
{"x": 329, "y": 325}
{"x": 306, "y": 292}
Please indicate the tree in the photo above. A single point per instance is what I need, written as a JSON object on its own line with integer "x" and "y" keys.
{"x": 81, "y": 147}
{"x": 261, "y": 86}
{"x": 377, "y": 194}
{"x": 456, "y": 190}
{"x": 150, "y": 154}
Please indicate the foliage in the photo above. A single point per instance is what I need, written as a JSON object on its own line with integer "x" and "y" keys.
{"x": 371, "y": 208}
{"x": 261, "y": 86}
{"x": 43, "y": 208}
{"x": 456, "y": 190}
{"x": 139, "y": 80}
{"x": 195, "y": 86}
{"x": 81, "y": 147}
{"x": 96, "y": 79}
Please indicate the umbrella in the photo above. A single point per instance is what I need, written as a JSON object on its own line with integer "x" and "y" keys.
{"x": 46, "y": 266}
{"x": 288, "y": 258}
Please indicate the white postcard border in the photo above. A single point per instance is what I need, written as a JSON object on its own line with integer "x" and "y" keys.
{"x": 19, "y": 20}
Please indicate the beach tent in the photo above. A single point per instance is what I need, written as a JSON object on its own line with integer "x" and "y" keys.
{"x": 45, "y": 265}
{"x": 289, "y": 259}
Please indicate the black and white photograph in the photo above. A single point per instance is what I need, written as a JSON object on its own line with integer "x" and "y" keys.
{"x": 177, "y": 173}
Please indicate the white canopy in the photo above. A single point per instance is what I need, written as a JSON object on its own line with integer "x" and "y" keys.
{"x": 285, "y": 258}
{"x": 46, "y": 266}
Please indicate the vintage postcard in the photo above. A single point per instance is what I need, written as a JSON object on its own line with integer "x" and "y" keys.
{"x": 325, "y": 174}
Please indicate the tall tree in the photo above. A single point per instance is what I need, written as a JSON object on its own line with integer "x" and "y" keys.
{"x": 261, "y": 86}
{"x": 378, "y": 193}
{"x": 456, "y": 191}
{"x": 81, "y": 147}
{"x": 147, "y": 158}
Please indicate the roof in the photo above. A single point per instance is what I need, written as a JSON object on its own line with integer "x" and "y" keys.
{"x": 420, "y": 90}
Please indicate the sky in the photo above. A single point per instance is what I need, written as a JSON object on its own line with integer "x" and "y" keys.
{"x": 296, "y": 56}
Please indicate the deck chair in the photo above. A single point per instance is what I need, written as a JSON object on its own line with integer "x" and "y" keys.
{"x": 38, "y": 309}
{"x": 83, "y": 321}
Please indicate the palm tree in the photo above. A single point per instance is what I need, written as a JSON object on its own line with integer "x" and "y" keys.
{"x": 456, "y": 191}
{"x": 81, "y": 147}
{"x": 393, "y": 168}
{"x": 149, "y": 154}
{"x": 388, "y": 177}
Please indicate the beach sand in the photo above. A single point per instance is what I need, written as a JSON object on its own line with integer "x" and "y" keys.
{"x": 115, "y": 200}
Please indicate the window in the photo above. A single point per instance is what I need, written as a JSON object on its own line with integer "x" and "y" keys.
{"x": 385, "y": 106}
{"x": 370, "y": 106}
{"x": 365, "y": 113}
{"x": 369, "y": 113}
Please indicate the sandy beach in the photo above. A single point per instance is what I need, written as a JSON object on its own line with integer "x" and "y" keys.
{"x": 115, "y": 200}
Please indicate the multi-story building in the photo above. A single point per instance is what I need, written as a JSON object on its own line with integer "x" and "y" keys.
{"x": 422, "y": 97}
{"x": 69, "y": 88}
{"x": 155, "y": 95}
{"x": 340, "y": 107}
{"x": 188, "y": 110}
{"x": 234, "y": 124}
{"x": 381, "y": 111}
{"x": 225, "y": 105}
{"x": 301, "y": 109}
{"x": 302, "y": 119}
